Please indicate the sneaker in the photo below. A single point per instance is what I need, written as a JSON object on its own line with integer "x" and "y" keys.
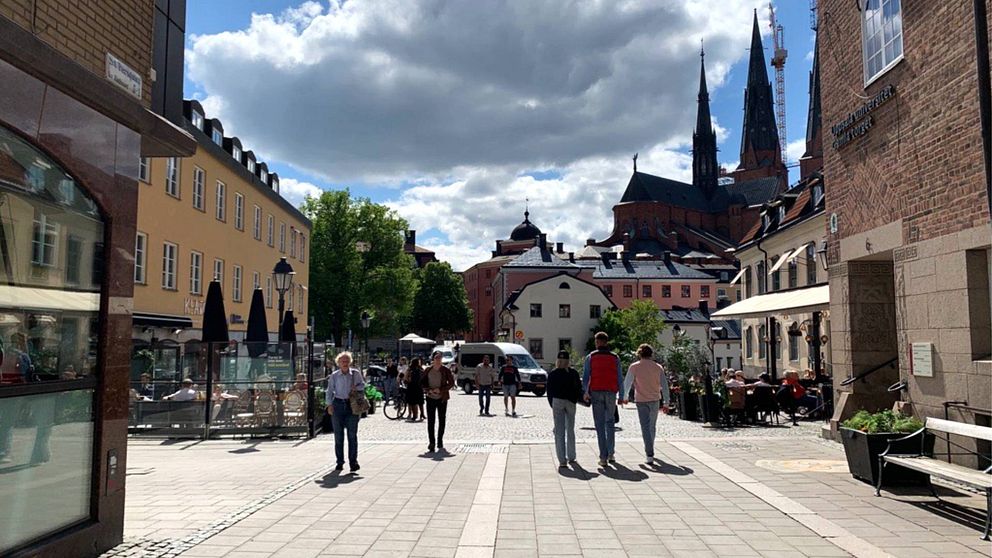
{"x": 649, "y": 460}
{"x": 562, "y": 465}
{"x": 480, "y": 413}
{"x": 507, "y": 413}
{"x": 611, "y": 459}
{"x": 572, "y": 462}
{"x": 339, "y": 467}
{"x": 602, "y": 463}
{"x": 430, "y": 449}
{"x": 355, "y": 467}
{"x": 514, "y": 414}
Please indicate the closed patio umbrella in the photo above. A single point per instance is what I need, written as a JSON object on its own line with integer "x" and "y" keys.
{"x": 287, "y": 332}
{"x": 214, "y": 334}
{"x": 256, "y": 332}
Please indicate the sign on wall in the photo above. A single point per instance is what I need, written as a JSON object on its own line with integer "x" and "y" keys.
{"x": 858, "y": 122}
{"x": 123, "y": 76}
{"x": 923, "y": 359}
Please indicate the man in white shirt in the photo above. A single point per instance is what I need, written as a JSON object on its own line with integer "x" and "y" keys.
{"x": 737, "y": 380}
{"x": 185, "y": 393}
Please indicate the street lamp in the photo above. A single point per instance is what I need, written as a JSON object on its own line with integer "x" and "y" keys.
{"x": 282, "y": 275}
{"x": 365, "y": 326}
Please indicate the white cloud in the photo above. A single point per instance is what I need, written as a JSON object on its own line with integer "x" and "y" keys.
{"x": 795, "y": 149}
{"x": 295, "y": 191}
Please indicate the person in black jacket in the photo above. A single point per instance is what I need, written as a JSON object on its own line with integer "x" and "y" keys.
{"x": 564, "y": 391}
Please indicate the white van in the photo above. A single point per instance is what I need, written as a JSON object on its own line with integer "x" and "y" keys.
{"x": 532, "y": 376}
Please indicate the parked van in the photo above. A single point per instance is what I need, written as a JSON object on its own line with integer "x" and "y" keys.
{"x": 532, "y": 376}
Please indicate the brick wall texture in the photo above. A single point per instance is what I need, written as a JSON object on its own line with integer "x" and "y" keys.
{"x": 86, "y": 30}
{"x": 922, "y": 158}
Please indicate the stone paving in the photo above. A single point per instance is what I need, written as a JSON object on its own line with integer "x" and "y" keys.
{"x": 745, "y": 494}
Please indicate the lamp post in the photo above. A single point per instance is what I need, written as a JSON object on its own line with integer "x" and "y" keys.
{"x": 366, "y": 319}
{"x": 282, "y": 276}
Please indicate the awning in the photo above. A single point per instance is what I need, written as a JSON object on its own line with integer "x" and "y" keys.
{"x": 161, "y": 320}
{"x": 798, "y": 252}
{"x": 33, "y": 298}
{"x": 738, "y": 276}
{"x": 778, "y": 264}
{"x": 417, "y": 340}
{"x": 809, "y": 299}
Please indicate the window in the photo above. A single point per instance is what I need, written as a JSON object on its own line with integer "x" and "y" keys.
{"x": 609, "y": 291}
{"x": 721, "y": 293}
{"x": 256, "y": 227}
{"x": 275, "y": 185}
{"x": 236, "y": 286}
{"x": 881, "y": 36}
{"x": 268, "y": 292}
{"x": 704, "y": 291}
{"x": 303, "y": 247}
{"x": 236, "y": 153}
{"x": 781, "y": 214}
{"x": 144, "y": 169}
{"x": 793, "y": 274}
{"x": 169, "y": 253}
{"x": 817, "y": 194}
{"x": 645, "y": 291}
{"x": 218, "y": 137}
{"x": 219, "y": 270}
{"x": 199, "y": 177}
{"x": 197, "y": 120}
{"x": 565, "y": 311}
{"x": 762, "y": 278}
{"x": 264, "y": 176}
{"x": 748, "y": 282}
{"x": 271, "y": 230}
{"x": 172, "y": 177}
{"x": 749, "y": 342}
{"x": 794, "y": 345}
{"x": 251, "y": 166}
{"x": 140, "y": 257}
{"x": 776, "y": 280}
{"x": 44, "y": 241}
{"x": 628, "y": 291}
{"x": 536, "y": 347}
{"x": 666, "y": 291}
{"x": 719, "y": 362}
{"x": 811, "y": 264}
{"x": 565, "y": 344}
{"x": 239, "y": 211}
{"x": 686, "y": 291}
{"x": 292, "y": 242}
{"x": 489, "y": 291}
{"x": 282, "y": 237}
{"x": 762, "y": 341}
{"x": 256, "y": 281}
{"x": 73, "y": 258}
{"x": 535, "y": 311}
{"x": 290, "y": 301}
{"x": 195, "y": 273}
{"x": 595, "y": 311}
{"x": 221, "y": 201}
{"x": 97, "y": 271}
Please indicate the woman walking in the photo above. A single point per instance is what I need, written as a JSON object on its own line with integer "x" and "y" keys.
{"x": 340, "y": 385}
{"x": 437, "y": 382}
{"x": 564, "y": 391}
{"x": 414, "y": 391}
{"x": 650, "y": 388}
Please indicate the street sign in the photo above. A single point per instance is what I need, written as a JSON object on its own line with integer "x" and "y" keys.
{"x": 519, "y": 334}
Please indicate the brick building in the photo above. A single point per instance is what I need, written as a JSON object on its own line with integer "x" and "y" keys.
{"x": 85, "y": 88}
{"x": 908, "y": 210}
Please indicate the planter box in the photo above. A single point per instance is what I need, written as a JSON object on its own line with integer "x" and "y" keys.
{"x": 710, "y": 407}
{"x": 688, "y": 406}
{"x": 862, "y": 452}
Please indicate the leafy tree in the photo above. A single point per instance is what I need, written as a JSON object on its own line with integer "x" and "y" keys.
{"x": 345, "y": 281}
{"x": 440, "y": 302}
{"x": 685, "y": 359}
{"x": 640, "y": 323}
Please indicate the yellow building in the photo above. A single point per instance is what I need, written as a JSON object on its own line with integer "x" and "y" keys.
{"x": 216, "y": 214}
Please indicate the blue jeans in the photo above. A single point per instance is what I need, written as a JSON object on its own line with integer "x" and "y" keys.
{"x": 563, "y": 411}
{"x": 647, "y": 412}
{"x": 604, "y": 405}
{"x": 343, "y": 420}
{"x": 390, "y": 386}
{"x": 485, "y": 395}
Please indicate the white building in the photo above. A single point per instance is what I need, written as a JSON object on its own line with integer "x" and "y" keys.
{"x": 720, "y": 340}
{"x": 554, "y": 313}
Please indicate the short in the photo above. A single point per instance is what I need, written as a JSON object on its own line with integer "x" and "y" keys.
{"x": 510, "y": 390}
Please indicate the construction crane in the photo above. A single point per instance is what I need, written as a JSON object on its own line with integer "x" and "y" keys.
{"x": 779, "y": 55}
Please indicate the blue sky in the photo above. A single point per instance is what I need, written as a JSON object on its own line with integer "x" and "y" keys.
{"x": 417, "y": 181}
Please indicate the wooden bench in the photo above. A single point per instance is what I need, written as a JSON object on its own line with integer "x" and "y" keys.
{"x": 909, "y": 452}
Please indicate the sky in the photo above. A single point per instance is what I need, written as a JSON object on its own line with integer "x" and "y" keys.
{"x": 459, "y": 113}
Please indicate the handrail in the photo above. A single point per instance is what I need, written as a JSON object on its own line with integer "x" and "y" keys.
{"x": 850, "y": 380}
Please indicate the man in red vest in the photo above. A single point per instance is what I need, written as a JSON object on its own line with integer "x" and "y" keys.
{"x": 602, "y": 379}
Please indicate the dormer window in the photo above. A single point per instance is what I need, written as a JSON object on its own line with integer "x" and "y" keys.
{"x": 275, "y": 185}
{"x": 236, "y": 153}
{"x": 218, "y": 137}
{"x": 781, "y": 214}
{"x": 197, "y": 120}
{"x": 766, "y": 222}
{"x": 817, "y": 194}
{"x": 251, "y": 166}
{"x": 264, "y": 176}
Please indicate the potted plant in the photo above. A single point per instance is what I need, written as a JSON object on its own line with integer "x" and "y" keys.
{"x": 866, "y": 435}
{"x": 686, "y": 361}
{"x": 320, "y": 399}
{"x": 374, "y": 396}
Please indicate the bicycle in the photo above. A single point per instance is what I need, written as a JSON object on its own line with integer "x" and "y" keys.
{"x": 394, "y": 407}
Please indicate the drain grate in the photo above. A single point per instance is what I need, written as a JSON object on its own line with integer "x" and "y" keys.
{"x": 743, "y": 446}
{"x": 481, "y": 448}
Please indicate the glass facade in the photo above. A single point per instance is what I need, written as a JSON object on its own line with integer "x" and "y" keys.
{"x": 51, "y": 273}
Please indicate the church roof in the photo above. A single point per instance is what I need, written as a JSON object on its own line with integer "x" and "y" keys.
{"x": 759, "y": 131}
{"x": 648, "y": 187}
{"x": 525, "y": 230}
{"x": 814, "y": 117}
{"x": 755, "y": 191}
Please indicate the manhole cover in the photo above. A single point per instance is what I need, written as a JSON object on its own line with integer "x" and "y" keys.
{"x": 744, "y": 446}
{"x": 481, "y": 448}
{"x": 803, "y": 465}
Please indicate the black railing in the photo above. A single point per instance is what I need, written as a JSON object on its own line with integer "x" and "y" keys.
{"x": 850, "y": 380}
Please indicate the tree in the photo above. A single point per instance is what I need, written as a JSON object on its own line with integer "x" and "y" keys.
{"x": 344, "y": 281}
{"x": 630, "y": 327}
{"x": 685, "y": 359}
{"x": 440, "y": 302}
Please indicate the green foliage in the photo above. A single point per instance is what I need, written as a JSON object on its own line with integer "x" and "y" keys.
{"x": 344, "y": 281}
{"x": 640, "y": 323}
{"x": 882, "y": 421}
{"x": 440, "y": 302}
{"x": 372, "y": 393}
{"x": 685, "y": 359}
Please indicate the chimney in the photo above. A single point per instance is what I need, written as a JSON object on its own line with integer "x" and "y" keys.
{"x": 571, "y": 257}
{"x": 559, "y": 247}
{"x": 410, "y": 240}
{"x": 667, "y": 256}
{"x": 590, "y": 241}
{"x": 704, "y": 307}
{"x": 542, "y": 241}
{"x": 626, "y": 242}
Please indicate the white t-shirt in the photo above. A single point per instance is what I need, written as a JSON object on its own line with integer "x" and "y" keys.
{"x": 184, "y": 394}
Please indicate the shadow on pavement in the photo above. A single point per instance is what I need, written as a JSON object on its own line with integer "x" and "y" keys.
{"x": 617, "y": 471}
{"x": 250, "y": 448}
{"x": 667, "y": 468}
{"x": 337, "y": 478}
{"x": 577, "y": 472}
{"x": 439, "y": 455}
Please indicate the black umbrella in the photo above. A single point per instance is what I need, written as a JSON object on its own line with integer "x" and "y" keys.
{"x": 257, "y": 331}
{"x": 214, "y": 333}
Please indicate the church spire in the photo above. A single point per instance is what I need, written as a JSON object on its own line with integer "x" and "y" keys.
{"x": 812, "y": 159}
{"x": 759, "y": 139}
{"x": 705, "y": 171}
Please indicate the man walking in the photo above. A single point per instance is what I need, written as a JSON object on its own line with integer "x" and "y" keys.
{"x": 602, "y": 379}
{"x": 392, "y": 373}
{"x": 650, "y": 384}
{"x": 509, "y": 379}
{"x": 485, "y": 375}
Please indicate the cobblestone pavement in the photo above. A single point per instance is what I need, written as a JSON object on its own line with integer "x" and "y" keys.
{"x": 750, "y": 492}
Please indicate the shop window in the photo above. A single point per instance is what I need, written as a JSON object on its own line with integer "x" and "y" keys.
{"x": 595, "y": 311}
{"x": 140, "y": 257}
{"x": 628, "y": 291}
{"x": 535, "y": 310}
{"x": 564, "y": 311}
{"x": 536, "y": 347}
{"x": 199, "y": 177}
{"x": 881, "y": 36}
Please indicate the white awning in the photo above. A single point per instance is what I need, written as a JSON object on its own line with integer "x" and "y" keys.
{"x": 809, "y": 299}
{"x": 416, "y": 339}
{"x": 738, "y": 276}
{"x": 32, "y": 298}
{"x": 778, "y": 264}
{"x": 798, "y": 252}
